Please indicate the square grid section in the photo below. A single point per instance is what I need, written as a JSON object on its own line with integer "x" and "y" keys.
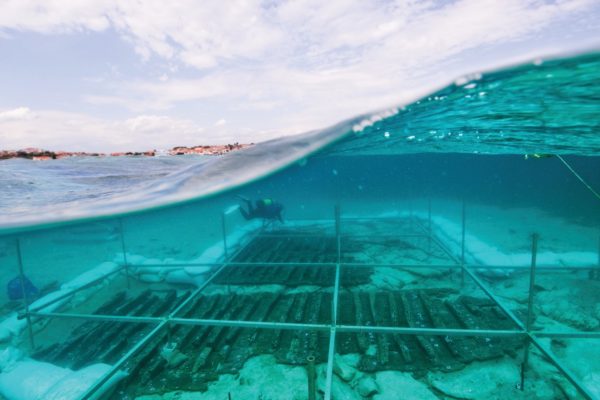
{"x": 409, "y": 329}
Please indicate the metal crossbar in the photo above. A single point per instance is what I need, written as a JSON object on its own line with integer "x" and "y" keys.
{"x": 336, "y": 295}
{"x": 306, "y": 326}
{"x": 431, "y": 331}
{"x": 522, "y": 330}
{"x": 345, "y": 236}
{"x": 356, "y": 264}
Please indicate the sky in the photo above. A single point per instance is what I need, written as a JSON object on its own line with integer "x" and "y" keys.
{"x": 114, "y": 75}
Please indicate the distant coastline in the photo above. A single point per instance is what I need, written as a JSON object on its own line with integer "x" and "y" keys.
{"x": 36, "y": 154}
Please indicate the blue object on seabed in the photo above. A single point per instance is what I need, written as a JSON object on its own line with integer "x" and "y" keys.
{"x": 15, "y": 291}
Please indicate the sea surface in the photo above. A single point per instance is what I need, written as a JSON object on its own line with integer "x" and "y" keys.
{"x": 545, "y": 107}
{"x": 28, "y": 185}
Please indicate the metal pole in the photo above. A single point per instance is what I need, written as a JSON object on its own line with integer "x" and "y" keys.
{"x": 99, "y": 317}
{"x": 462, "y": 241}
{"x": 534, "y": 245}
{"x": 567, "y": 335}
{"x": 429, "y": 228}
{"x": 338, "y": 271}
{"x": 224, "y": 228}
{"x": 24, "y": 293}
{"x": 311, "y": 375}
{"x": 336, "y": 294}
{"x": 529, "y": 322}
{"x": 336, "y": 290}
{"x": 386, "y": 330}
{"x": 597, "y": 272}
{"x": 338, "y": 233}
{"x": 329, "y": 369}
{"x": 462, "y": 244}
{"x": 525, "y": 362}
{"x": 125, "y": 263}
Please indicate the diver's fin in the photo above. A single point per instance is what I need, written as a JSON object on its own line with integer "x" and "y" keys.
{"x": 239, "y": 196}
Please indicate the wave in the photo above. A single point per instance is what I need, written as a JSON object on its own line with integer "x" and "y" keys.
{"x": 541, "y": 107}
{"x": 548, "y": 107}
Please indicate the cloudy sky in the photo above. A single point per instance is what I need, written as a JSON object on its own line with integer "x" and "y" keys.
{"x": 107, "y": 75}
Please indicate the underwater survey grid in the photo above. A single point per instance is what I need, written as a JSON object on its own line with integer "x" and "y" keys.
{"x": 448, "y": 248}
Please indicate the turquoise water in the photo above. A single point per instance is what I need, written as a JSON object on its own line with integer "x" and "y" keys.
{"x": 543, "y": 107}
{"x": 416, "y": 221}
{"x": 546, "y": 107}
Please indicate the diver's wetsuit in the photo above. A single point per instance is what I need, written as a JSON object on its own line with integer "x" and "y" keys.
{"x": 265, "y": 208}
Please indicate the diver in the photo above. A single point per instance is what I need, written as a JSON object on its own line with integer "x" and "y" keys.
{"x": 263, "y": 208}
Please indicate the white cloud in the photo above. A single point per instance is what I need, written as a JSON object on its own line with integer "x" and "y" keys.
{"x": 198, "y": 34}
{"x": 297, "y": 33}
{"x": 55, "y": 130}
{"x": 54, "y": 16}
{"x": 298, "y": 64}
{"x": 19, "y": 113}
{"x": 221, "y": 122}
{"x": 344, "y": 56}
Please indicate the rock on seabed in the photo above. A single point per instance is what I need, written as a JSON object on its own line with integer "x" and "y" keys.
{"x": 261, "y": 377}
{"x": 480, "y": 380}
{"x": 394, "y": 385}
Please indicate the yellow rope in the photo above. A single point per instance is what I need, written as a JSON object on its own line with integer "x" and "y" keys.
{"x": 578, "y": 177}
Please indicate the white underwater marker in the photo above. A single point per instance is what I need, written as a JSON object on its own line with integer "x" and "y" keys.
{"x": 387, "y": 134}
{"x": 412, "y": 137}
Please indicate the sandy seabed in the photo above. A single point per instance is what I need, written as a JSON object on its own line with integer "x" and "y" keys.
{"x": 565, "y": 300}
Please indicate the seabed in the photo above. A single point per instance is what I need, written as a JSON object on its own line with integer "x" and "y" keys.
{"x": 343, "y": 308}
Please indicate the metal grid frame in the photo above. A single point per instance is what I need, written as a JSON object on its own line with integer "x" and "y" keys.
{"x": 458, "y": 262}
